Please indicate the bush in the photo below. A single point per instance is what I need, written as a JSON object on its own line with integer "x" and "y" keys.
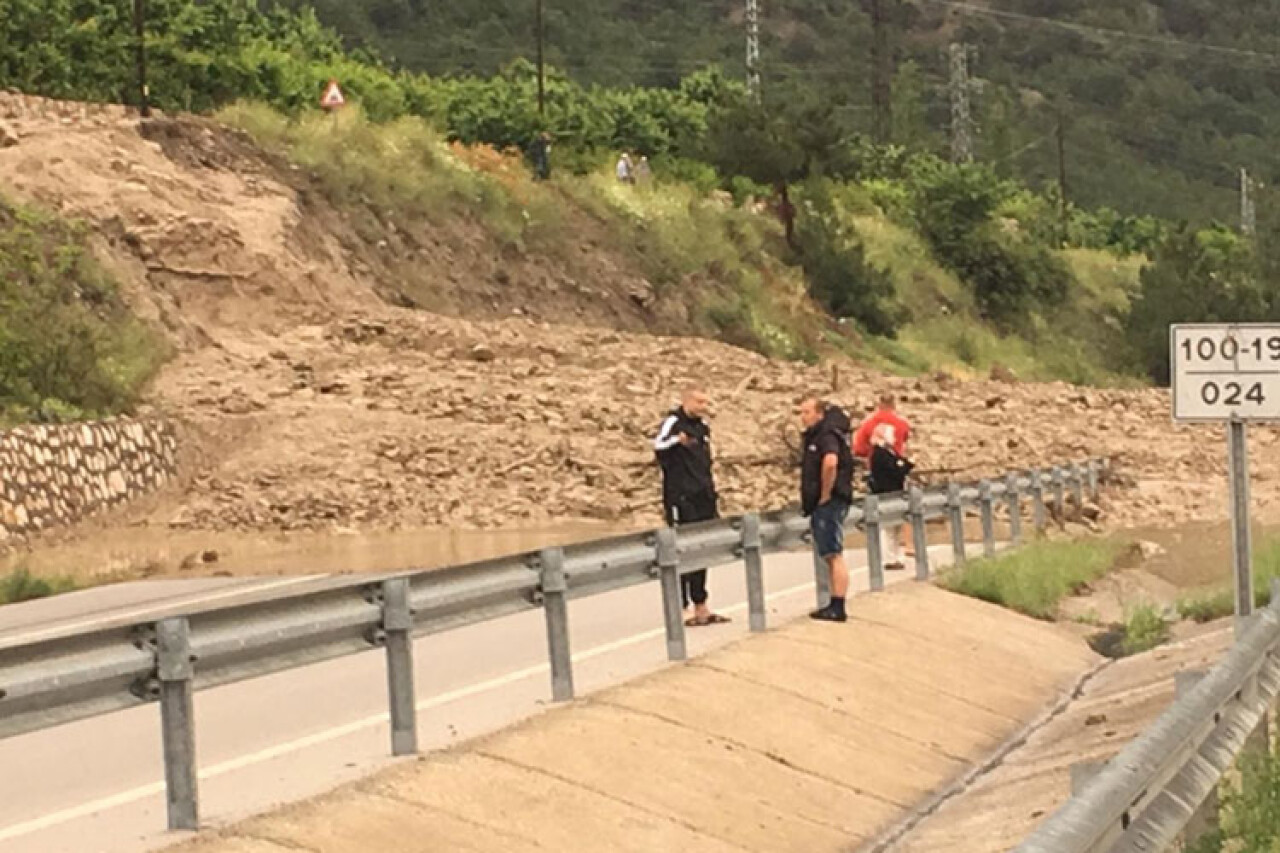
{"x": 1250, "y": 813}
{"x": 1009, "y": 274}
{"x": 834, "y": 259}
{"x": 21, "y": 585}
{"x": 1034, "y": 579}
{"x": 1144, "y": 629}
{"x": 1201, "y": 276}
{"x": 69, "y": 347}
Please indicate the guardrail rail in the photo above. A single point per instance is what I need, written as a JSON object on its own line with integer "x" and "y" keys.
{"x": 1153, "y": 792}
{"x": 77, "y": 675}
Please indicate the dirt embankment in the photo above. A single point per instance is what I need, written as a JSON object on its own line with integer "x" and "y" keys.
{"x": 319, "y": 404}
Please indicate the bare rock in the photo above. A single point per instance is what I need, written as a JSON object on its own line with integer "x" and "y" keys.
{"x": 483, "y": 353}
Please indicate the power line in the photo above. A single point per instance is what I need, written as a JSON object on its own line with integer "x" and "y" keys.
{"x": 1272, "y": 60}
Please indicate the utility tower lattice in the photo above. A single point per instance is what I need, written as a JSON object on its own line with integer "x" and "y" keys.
{"x": 961, "y": 116}
{"x": 1248, "y": 204}
{"x": 753, "y": 48}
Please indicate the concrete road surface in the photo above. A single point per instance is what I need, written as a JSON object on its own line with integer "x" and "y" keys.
{"x": 95, "y": 786}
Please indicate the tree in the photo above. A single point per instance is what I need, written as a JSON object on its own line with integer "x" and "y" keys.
{"x": 1198, "y": 276}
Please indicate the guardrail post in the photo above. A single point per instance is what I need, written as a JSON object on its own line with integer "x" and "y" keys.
{"x": 1205, "y": 818}
{"x": 672, "y": 612}
{"x": 1077, "y": 490}
{"x": 555, "y": 605}
{"x": 754, "y": 561}
{"x": 1037, "y": 500}
{"x": 1091, "y": 471}
{"x": 175, "y": 672}
{"x": 988, "y": 519}
{"x": 875, "y": 556}
{"x": 1059, "y": 495}
{"x": 956, "y": 511}
{"x": 1015, "y": 509}
{"x": 397, "y": 623}
{"x": 919, "y": 533}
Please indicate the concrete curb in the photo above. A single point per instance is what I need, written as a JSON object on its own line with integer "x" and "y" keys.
{"x": 885, "y": 840}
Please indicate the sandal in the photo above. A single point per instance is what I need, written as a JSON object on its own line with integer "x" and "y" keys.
{"x": 713, "y": 619}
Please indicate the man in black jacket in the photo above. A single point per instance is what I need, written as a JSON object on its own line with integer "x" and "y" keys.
{"x": 826, "y": 493}
{"x": 683, "y": 447}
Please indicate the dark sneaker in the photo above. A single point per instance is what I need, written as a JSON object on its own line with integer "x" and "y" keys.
{"x": 827, "y": 614}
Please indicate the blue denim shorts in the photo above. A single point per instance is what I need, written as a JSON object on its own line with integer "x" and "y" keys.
{"x": 827, "y": 523}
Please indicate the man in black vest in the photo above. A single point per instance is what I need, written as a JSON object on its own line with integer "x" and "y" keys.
{"x": 683, "y": 447}
{"x": 826, "y": 493}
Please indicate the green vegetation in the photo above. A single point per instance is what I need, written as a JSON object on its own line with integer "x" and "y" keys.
{"x": 1207, "y": 607}
{"x": 1034, "y": 579}
{"x": 1214, "y": 604}
{"x": 1250, "y": 812}
{"x": 673, "y": 233}
{"x": 920, "y": 262}
{"x": 69, "y": 347}
{"x": 1144, "y": 629}
{"x": 20, "y": 585}
{"x": 1157, "y": 121}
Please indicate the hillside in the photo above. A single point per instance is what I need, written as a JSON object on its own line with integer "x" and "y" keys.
{"x": 318, "y": 398}
{"x": 1164, "y": 100}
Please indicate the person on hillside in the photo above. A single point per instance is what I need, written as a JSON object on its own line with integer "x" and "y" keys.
{"x": 886, "y": 414}
{"x": 683, "y": 448}
{"x": 625, "y": 170}
{"x": 644, "y": 172}
{"x": 540, "y": 154}
{"x": 888, "y": 475}
{"x": 826, "y": 492}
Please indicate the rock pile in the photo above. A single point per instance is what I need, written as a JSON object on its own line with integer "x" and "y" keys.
{"x": 405, "y": 419}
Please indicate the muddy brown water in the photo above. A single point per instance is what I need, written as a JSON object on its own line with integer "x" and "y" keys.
{"x": 158, "y": 553}
{"x": 1197, "y": 556}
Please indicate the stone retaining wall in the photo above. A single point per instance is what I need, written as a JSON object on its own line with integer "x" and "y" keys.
{"x": 55, "y": 475}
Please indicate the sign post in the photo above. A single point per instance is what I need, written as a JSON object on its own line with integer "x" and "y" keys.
{"x": 1241, "y": 540}
{"x": 1229, "y": 373}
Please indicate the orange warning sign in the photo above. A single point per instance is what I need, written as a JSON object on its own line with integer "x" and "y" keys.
{"x": 332, "y": 98}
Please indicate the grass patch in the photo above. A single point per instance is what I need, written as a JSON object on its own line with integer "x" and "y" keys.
{"x": 70, "y": 348}
{"x": 1208, "y": 607}
{"x": 1214, "y": 604}
{"x": 1144, "y": 628}
{"x": 1250, "y": 813}
{"x": 1033, "y": 580}
{"x": 676, "y": 236}
{"x": 20, "y": 585}
{"x": 405, "y": 167}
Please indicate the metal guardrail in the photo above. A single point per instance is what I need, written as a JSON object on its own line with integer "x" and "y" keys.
{"x": 65, "y": 678}
{"x": 1145, "y": 797}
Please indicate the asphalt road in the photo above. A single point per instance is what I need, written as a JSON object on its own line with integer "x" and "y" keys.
{"x": 95, "y": 786}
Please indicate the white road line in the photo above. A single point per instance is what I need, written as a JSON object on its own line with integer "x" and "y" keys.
{"x": 153, "y": 789}
{"x": 127, "y": 616}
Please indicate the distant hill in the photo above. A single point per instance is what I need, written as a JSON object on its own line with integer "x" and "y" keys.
{"x": 1163, "y": 101}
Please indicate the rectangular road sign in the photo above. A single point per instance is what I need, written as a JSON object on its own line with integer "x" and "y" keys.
{"x": 1223, "y": 371}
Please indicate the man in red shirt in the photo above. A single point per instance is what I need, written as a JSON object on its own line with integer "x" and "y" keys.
{"x": 886, "y": 414}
